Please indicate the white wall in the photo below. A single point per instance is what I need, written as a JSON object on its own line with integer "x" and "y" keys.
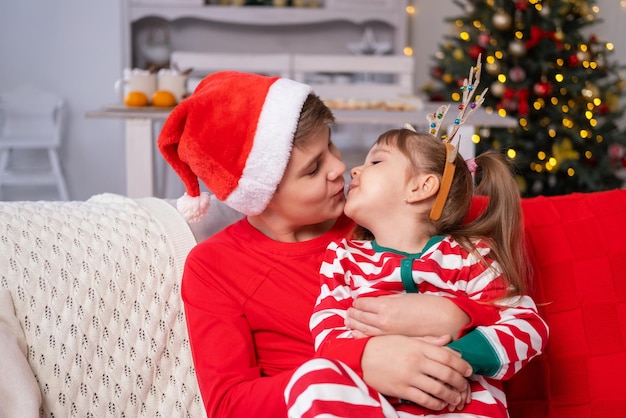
{"x": 74, "y": 48}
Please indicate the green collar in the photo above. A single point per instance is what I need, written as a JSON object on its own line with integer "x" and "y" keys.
{"x": 406, "y": 264}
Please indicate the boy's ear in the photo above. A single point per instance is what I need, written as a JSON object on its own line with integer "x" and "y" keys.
{"x": 422, "y": 187}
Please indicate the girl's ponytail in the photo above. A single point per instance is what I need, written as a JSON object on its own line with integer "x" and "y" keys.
{"x": 502, "y": 221}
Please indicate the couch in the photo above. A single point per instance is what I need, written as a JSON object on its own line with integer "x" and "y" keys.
{"x": 92, "y": 325}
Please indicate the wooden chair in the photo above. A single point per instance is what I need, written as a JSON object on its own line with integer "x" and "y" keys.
{"x": 31, "y": 119}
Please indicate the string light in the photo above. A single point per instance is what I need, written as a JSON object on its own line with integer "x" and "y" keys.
{"x": 410, "y": 12}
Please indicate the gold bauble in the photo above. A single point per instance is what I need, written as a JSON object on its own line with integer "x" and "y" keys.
{"x": 517, "y": 48}
{"x": 447, "y": 78}
{"x": 612, "y": 101}
{"x": 582, "y": 56}
{"x": 559, "y": 35}
{"x": 501, "y": 20}
{"x": 497, "y": 89}
{"x": 493, "y": 68}
{"x": 590, "y": 91}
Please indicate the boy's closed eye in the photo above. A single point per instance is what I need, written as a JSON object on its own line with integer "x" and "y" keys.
{"x": 314, "y": 170}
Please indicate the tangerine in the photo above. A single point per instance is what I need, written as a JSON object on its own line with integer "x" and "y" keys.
{"x": 163, "y": 98}
{"x": 136, "y": 99}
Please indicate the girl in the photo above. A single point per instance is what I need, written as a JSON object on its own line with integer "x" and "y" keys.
{"x": 410, "y": 198}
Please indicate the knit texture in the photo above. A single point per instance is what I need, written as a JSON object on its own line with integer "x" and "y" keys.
{"x": 96, "y": 288}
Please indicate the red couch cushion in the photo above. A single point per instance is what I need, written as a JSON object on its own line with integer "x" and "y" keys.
{"x": 577, "y": 244}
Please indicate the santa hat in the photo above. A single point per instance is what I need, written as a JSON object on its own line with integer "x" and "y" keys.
{"x": 235, "y": 133}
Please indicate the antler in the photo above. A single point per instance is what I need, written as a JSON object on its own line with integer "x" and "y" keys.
{"x": 466, "y": 108}
{"x": 468, "y": 105}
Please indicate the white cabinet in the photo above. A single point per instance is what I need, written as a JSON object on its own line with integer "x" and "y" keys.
{"x": 152, "y": 26}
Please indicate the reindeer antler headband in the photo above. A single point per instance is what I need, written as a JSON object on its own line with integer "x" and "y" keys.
{"x": 466, "y": 108}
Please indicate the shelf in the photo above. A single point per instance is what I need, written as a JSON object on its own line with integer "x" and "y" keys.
{"x": 264, "y": 15}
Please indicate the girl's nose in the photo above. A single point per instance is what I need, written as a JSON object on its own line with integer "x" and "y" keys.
{"x": 354, "y": 172}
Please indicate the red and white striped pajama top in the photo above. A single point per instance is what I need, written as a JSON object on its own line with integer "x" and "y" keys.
{"x": 505, "y": 336}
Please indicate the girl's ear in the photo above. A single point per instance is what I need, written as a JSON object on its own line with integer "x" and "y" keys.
{"x": 422, "y": 187}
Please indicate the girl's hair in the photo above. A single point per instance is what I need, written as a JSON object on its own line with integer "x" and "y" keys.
{"x": 313, "y": 115}
{"x": 500, "y": 224}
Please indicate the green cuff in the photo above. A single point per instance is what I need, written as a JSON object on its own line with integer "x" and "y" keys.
{"x": 478, "y": 352}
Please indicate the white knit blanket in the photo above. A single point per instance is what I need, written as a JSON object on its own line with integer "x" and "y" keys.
{"x": 96, "y": 289}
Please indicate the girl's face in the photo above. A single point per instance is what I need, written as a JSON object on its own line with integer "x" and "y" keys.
{"x": 378, "y": 187}
{"x": 312, "y": 189}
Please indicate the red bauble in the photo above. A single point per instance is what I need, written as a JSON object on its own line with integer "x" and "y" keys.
{"x": 484, "y": 39}
{"x": 572, "y": 61}
{"x": 521, "y": 5}
{"x": 603, "y": 109}
{"x": 474, "y": 51}
{"x": 437, "y": 72}
{"x": 542, "y": 89}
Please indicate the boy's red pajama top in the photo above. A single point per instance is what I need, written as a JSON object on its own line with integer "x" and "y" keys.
{"x": 248, "y": 300}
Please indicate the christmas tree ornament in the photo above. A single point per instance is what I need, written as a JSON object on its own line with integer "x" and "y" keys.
{"x": 493, "y": 68}
{"x": 436, "y": 72}
{"x": 543, "y": 88}
{"x": 573, "y": 61}
{"x": 521, "y": 5}
{"x": 497, "y": 89}
{"x": 447, "y": 78}
{"x": 537, "y": 34}
{"x": 517, "y": 74}
{"x": 545, "y": 11}
{"x": 475, "y": 51}
{"x": 559, "y": 35}
{"x": 484, "y": 39}
{"x": 583, "y": 56}
{"x": 590, "y": 91}
{"x": 517, "y": 48}
{"x": 501, "y": 20}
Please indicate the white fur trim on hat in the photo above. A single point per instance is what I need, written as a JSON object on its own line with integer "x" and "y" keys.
{"x": 271, "y": 148}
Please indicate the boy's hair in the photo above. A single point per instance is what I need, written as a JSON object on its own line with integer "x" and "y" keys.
{"x": 501, "y": 224}
{"x": 314, "y": 114}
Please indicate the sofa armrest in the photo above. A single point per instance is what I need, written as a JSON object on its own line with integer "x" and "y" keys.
{"x": 19, "y": 393}
{"x": 219, "y": 216}
{"x": 96, "y": 289}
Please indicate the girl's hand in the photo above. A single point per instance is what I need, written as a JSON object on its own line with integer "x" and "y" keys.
{"x": 420, "y": 370}
{"x": 412, "y": 315}
{"x": 466, "y": 398}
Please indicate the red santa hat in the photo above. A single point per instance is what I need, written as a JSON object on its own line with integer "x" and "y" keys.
{"x": 235, "y": 133}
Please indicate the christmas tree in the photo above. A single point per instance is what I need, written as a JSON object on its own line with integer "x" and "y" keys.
{"x": 542, "y": 69}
